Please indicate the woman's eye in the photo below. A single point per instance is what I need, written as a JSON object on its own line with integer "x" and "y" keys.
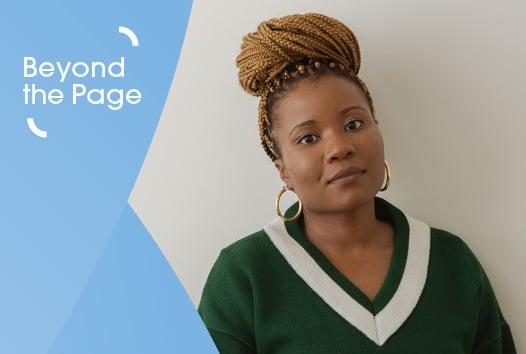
{"x": 307, "y": 139}
{"x": 353, "y": 124}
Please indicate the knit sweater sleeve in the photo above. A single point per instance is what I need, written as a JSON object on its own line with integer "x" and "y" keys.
{"x": 227, "y": 307}
{"x": 493, "y": 334}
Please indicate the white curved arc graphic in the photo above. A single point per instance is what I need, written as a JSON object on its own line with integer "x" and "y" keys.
{"x": 131, "y": 35}
{"x": 36, "y": 130}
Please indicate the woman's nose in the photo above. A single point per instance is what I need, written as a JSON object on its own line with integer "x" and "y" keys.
{"x": 338, "y": 146}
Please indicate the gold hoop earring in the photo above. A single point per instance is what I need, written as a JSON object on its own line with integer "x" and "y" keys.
{"x": 278, "y": 211}
{"x": 387, "y": 177}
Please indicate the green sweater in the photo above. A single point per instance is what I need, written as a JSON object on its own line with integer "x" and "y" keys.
{"x": 275, "y": 292}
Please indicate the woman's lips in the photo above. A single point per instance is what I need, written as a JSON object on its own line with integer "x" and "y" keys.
{"x": 346, "y": 175}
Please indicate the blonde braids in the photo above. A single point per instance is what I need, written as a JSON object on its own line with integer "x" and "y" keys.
{"x": 288, "y": 47}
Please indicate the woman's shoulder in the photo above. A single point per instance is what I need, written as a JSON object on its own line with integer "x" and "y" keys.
{"x": 251, "y": 250}
{"x": 446, "y": 247}
{"x": 452, "y": 251}
{"x": 449, "y": 241}
{"x": 247, "y": 244}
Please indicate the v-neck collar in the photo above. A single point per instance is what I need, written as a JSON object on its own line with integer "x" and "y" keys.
{"x": 399, "y": 294}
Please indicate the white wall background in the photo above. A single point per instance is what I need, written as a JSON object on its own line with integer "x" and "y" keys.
{"x": 448, "y": 79}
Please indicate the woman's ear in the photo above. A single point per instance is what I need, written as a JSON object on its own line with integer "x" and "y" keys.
{"x": 283, "y": 173}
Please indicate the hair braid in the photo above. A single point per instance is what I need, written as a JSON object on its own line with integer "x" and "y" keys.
{"x": 287, "y": 47}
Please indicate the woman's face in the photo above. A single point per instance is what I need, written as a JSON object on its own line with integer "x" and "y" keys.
{"x": 332, "y": 152}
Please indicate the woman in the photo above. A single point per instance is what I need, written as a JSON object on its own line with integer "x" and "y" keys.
{"x": 342, "y": 271}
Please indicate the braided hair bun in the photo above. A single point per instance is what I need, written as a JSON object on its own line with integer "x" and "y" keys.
{"x": 283, "y": 45}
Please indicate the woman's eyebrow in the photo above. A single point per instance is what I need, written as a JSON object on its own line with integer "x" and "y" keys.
{"x": 348, "y": 109}
{"x": 302, "y": 124}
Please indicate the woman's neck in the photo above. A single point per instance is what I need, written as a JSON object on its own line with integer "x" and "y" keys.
{"x": 346, "y": 231}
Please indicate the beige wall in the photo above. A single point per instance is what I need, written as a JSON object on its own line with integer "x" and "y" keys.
{"x": 448, "y": 79}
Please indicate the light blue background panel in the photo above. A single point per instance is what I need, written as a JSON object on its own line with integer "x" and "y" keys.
{"x": 79, "y": 272}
